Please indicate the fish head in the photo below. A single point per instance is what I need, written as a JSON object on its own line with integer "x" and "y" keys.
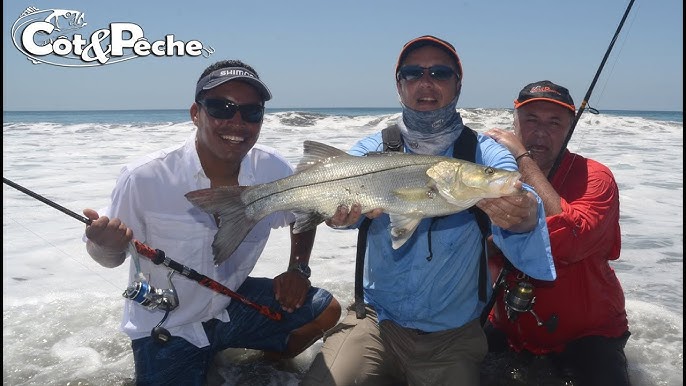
{"x": 66, "y": 19}
{"x": 465, "y": 182}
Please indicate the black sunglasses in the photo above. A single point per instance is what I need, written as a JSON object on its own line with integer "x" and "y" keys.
{"x": 414, "y": 72}
{"x": 224, "y": 109}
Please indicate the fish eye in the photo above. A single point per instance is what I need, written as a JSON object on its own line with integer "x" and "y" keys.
{"x": 489, "y": 170}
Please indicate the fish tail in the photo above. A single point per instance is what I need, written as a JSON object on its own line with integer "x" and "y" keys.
{"x": 234, "y": 224}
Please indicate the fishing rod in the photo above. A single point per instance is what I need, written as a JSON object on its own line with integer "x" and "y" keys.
{"x": 558, "y": 160}
{"x": 500, "y": 280}
{"x": 158, "y": 257}
{"x": 499, "y": 283}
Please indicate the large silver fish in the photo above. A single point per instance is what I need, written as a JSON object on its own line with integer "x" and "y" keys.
{"x": 408, "y": 187}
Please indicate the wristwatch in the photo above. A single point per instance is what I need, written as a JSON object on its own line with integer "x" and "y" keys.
{"x": 303, "y": 268}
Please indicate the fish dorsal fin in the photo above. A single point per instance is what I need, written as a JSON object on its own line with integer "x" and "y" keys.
{"x": 402, "y": 227}
{"x": 317, "y": 152}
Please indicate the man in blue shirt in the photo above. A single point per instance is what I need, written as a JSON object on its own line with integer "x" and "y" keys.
{"x": 422, "y": 299}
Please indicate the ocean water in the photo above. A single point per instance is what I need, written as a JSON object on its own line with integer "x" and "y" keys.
{"x": 61, "y": 310}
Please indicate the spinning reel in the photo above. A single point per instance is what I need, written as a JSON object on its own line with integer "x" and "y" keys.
{"x": 522, "y": 299}
{"x": 141, "y": 292}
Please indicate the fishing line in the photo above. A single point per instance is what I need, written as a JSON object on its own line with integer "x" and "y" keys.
{"x": 619, "y": 54}
{"x": 602, "y": 92}
{"x": 584, "y": 102}
{"x": 63, "y": 252}
{"x": 142, "y": 292}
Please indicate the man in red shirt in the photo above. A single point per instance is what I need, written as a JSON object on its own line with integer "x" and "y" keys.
{"x": 580, "y": 317}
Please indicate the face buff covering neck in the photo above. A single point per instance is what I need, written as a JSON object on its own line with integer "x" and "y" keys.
{"x": 431, "y": 132}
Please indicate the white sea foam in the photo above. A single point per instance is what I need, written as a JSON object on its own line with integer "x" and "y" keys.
{"x": 61, "y": 310}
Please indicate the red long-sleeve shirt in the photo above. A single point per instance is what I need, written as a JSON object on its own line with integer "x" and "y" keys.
{"x": 586, "y": 296}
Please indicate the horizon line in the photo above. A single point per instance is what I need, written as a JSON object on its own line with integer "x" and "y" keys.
{"x": 306, "y": 108}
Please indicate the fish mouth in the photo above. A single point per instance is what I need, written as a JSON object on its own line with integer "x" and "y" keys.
{"x": 509, "y": 182}
{"x": 499, "y": 186}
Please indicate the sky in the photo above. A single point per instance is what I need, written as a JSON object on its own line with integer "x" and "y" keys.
{"x": 314, "y": 53}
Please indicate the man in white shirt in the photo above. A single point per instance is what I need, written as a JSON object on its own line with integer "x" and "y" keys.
{"x": 149, "y": 202}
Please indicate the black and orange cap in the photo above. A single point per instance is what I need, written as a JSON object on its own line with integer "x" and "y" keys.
{"x": 428, "y": 40}
{"x": 545, "y": 90}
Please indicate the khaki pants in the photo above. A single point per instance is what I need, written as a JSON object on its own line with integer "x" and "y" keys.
{"x": 364, "y": 352}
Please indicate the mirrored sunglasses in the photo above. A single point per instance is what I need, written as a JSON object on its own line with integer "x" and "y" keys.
{"x": 224, "y": 109}
{"x": 414, "y": 72}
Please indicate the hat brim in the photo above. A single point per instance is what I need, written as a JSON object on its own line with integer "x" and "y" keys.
{"x": 518, "y": 104}
{"x": 261, "y": 87}
{"x": 424, "y": 41}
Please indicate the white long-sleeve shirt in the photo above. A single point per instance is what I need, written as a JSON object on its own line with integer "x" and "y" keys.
{"x": 149, "y": 197}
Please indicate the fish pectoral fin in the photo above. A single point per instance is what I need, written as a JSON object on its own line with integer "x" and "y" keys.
{"x": 305, "y": 221}
{"x": 402, "y": 228}
{"x": 413, "y": 194}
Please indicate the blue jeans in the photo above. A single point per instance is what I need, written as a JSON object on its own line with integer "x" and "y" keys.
{"x": 179, "y": 362}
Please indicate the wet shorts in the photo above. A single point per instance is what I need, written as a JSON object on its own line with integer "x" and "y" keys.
{"x": 180, "y": 362}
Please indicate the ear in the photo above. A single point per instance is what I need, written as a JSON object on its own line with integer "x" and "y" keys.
{"x": 194, "y": 112}
{"x": 515, "y": 124}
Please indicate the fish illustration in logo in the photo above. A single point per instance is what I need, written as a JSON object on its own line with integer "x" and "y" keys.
{"x": 62, "y": 20}
{"x": 74, "y": 19}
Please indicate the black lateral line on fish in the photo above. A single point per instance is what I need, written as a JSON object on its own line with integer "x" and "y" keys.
{"x": 333, "y": 180}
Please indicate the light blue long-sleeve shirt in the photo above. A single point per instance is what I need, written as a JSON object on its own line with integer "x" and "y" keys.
{"x": 431, "y": 282}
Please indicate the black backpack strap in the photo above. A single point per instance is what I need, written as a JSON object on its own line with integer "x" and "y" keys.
{"x": 359, "y": 267}
{"x": 465, "y": 145}
{"x": 465, "y": 149}
{"x": 482, "y": 220}
{"x": 392, "y": 141}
